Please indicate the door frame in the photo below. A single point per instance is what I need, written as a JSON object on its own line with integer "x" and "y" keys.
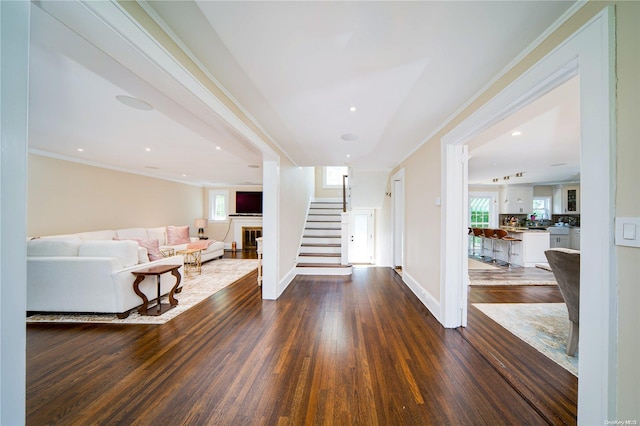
{"x": 397, "y": 218}
{"x": 590, "y": 51}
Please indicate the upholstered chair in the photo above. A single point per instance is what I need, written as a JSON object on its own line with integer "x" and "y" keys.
{"x": 565, "y": 265}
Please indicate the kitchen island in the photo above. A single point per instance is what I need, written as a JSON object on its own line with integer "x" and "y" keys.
{"x": 525, "y": 253}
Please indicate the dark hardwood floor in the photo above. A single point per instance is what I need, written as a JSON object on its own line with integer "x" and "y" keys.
{"x": 330, "y": 350}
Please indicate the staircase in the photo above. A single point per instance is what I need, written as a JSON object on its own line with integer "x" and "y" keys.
{"x": 321, "y": 248}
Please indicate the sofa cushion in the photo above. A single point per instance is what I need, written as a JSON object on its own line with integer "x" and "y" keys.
{"x": 53, "y": 247}
{"x": 125, "y": 251}
{"x": 159, "y": 234}
{"x": 132, "y": 234}
{"x": 177, "y": 235}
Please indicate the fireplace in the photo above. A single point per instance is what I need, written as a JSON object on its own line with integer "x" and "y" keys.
{"x": 249, "y": 235}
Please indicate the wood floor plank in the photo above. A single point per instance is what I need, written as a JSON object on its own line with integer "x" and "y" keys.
{"x": 330, "y": 350}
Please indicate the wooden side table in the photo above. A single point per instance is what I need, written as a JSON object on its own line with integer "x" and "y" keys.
{"x": 192, "y": 261}
{"x": 156, "y": 271}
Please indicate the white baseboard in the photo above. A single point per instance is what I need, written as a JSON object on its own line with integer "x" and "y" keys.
{"x": 284, "y": 282}
{"x": 423, "y": 295}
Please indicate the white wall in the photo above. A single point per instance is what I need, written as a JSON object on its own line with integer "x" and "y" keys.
{"x": 297, "y": 186}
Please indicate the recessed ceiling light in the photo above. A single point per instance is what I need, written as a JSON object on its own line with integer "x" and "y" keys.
{"x": 147, "y": 149}
{"x": 348, "y": 156}
{"x": 218, "y": 148}
{"x": 134, "y": 103}
{"x": 516, "y": 133}
{"x": 80, "y": 150}
{"x": 350, "y": 137}
{"x": 352, "y": 109}
{"x": 184, "y": 175}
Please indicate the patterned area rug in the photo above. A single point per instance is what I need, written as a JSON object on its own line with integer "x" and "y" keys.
{"x": 216, "y": 275}
{"x": 545, "y": 326}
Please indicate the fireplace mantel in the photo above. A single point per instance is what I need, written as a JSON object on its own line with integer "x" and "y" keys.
{"x": 240, "y": 222}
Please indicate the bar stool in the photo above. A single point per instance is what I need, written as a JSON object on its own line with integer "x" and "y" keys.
{"x": 510, "y": 240}
{"x": 498, "y": 234}
{"x": 477, "y": 233}
{"x": 487, "y": 234}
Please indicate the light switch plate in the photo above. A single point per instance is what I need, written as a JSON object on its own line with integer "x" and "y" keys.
{"x": 628, "y": 231}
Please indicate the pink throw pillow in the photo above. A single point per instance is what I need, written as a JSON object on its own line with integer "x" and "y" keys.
{"x": 177, "y": 235}
{"x": 153, "y": 249}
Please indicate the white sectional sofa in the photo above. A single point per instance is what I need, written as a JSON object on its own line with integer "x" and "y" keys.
{"x": 146, "y": 235}
{"x": 91, "y": 271}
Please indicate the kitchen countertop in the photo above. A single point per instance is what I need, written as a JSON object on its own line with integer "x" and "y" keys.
{"x": 522, "y": 229}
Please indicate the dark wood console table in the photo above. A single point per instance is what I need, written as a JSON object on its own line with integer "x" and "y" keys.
{"x": 156, "y": 271}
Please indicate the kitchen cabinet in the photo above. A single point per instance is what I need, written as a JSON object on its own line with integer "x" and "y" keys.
{"x": 566, "y": 199}
{"x": 574, "y": 238}
{"x": 516, "y": 199}
{"x": 559, "y": 241}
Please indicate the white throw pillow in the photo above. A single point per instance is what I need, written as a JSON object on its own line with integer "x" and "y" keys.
{"x": 125, "y": 251}
{"x": 53, "y": 247}
{"x": 159, "y": 234}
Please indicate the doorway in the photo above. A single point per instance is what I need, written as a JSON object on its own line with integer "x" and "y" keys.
{"x": 361, "y": 236}
{"x": 587, "y": 53}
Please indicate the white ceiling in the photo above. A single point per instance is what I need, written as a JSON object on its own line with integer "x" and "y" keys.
{"x": 295, "y": 67}
{"x": 546, "y": 151}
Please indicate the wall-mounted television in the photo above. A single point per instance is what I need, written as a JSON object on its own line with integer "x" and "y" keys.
{"x": 249, "y": 202}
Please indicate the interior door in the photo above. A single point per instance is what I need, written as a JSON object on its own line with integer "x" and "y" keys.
{"x": 361, "y": 236}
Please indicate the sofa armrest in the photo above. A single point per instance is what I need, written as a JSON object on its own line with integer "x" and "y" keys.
{"x": 58, "y": 283}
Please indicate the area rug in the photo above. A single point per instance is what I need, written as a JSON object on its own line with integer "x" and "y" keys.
{"x": 545, "y": 326}
{"x": 216, "y": 275}
{"x": 477, "y": 265}
{"x": 544, "y": 266}
{"x": 515, "y": 281}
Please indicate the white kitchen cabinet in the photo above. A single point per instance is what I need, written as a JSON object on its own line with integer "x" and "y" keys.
{"x": 559, "y": 241}
{"x": 516, "y": 199}
{"x": 566, "y": 199}
{"x": 574, "y": 238}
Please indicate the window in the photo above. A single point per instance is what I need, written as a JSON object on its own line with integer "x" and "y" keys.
{"x": 218, "y": 204}
{"x": 542, "y": 207}
{"x": 332, "y": 176}
{"x": 480, "y": 212}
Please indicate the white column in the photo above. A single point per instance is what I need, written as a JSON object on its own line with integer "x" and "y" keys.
{"x": 14, "y": 18}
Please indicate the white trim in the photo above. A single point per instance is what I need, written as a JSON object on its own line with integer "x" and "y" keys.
{"x": 421, "y": 293}
{"x": 284, "y": 282}
{"x": 454, "y": 248}
{"x": 592, "y": 49}
{"x": 399, "y": 177}
{"x": 270, "y": 229}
